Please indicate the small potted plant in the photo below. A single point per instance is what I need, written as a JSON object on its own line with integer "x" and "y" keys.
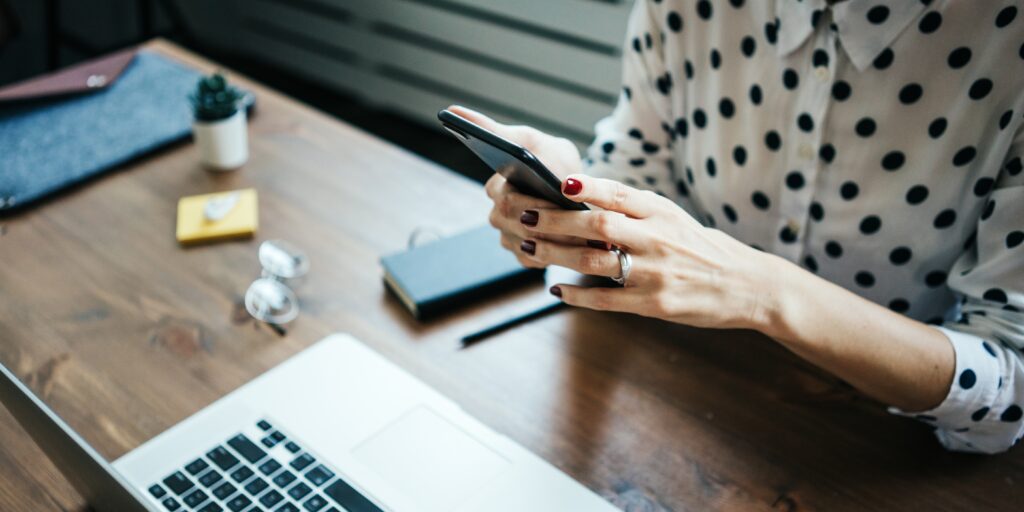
{"x": 219, "y": 127}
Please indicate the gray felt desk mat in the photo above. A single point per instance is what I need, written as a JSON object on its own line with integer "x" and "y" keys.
{"x": 46, "y": 146}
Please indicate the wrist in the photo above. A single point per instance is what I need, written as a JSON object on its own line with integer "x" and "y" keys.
{"x": 775, "y": 281}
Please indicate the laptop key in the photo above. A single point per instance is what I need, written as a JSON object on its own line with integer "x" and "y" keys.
{"x": 239, "y": 502}
{"x": 271, "y": 498}
{"x": 269, "y": 467}
{"x": 194, "y": 498}
{"x": 315, "y": 503}
{"x": 302, "y": 461}
{"x": 319, "y": 475}
{"x": 196, "y": 466}
{"x": 210, "y": 477}
{"x": 349, "y": 498}
{"x": 288, "y": 507}
{"x": 299, "y": 491}
{"x": 211, "y": 506}
{"x": 224, "y": 490}
{"x": 292, "y": 447}
{"x": 284, "y": 478}
{"x": 256, "y": 486}
{"x": 246, "y": 448}
{"x": 178, "y": 483}
{"x": 222, "y": 458}
{"x": 263, "y": 425}
{"x": 277, "y": 436}
{"x": 157, "y": 491}
{"x": 268, "y": 442}
{"x": 171, "y": 503}
{"x": 241, "y": 474}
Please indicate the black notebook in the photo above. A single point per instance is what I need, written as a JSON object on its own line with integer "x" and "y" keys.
{"x": 442, "y": 275}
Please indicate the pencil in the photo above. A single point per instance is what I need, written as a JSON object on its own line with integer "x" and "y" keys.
{"x": 474, "y": 337}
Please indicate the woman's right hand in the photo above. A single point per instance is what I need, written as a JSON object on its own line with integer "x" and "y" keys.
{"x": 558, "y": 154}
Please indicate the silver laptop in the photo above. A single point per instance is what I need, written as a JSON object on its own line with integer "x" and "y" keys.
{"x": 336, "y": 427}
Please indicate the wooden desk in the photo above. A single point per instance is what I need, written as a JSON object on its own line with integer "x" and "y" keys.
{"x": 124, "y": 333}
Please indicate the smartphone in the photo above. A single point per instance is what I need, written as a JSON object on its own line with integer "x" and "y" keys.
{"x": 514, "y": 162}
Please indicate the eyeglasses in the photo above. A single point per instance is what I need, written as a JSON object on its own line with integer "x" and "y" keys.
{"x": 270, "y": 298}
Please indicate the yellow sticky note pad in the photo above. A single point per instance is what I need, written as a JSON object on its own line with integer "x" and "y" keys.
{"x": 240, "y": 218}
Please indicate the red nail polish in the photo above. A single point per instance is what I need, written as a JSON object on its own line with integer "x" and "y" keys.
{"x": 572, "y": 187}
{"x": 597, "y": 244}
{"x": 556, "y": 291}
{"x": 529, "y": 217}
{"x": 528, "y": 246}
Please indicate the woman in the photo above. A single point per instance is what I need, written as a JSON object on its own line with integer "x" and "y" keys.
{"x": 831, "y": 175}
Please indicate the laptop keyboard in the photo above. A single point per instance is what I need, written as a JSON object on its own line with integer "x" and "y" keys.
{"x": 245, "y": 476}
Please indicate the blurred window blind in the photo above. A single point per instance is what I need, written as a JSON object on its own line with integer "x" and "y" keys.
{"x": 553, "y": 64}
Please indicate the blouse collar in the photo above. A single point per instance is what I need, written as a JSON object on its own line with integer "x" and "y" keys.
{"x": 866, "y": 27}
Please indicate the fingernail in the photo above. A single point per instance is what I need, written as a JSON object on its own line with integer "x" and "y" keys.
{"x": 572, "y": 187}
{"x": 597, "y": 244}
{"x": 528, "y": 246}
{"x": 556, "y": 291}
{"x": 529, "y": 217}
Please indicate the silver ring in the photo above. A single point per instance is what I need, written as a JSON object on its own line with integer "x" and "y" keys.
{"x": 625, "y": 265}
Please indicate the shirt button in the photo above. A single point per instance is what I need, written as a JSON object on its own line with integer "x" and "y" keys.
{"x": 806, "y": 151}
{"x": 822, "y": 73}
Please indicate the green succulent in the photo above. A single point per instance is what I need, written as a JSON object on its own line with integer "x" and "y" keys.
{"x": 214, "y": 99}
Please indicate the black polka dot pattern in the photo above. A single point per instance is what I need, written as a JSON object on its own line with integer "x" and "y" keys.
{"x": 833, "y": 249}
{"x": 964, "y": 156}
{"x": 967, "y": 379}
{"x": 866, "y": 127}
{"x": 726, "y": 108}
{"x": 700, "y": 119}
{"x": 945, "y": 219}
{"x": 704, "y": 9}
{"x": 884, "y": 59}
{"x": 748, "y": 46}
{"x": 755, "y": 94}
{"x": 760, "y": 200}
{"x": 893, "y": 160}
{"x": 910, "y": 93}
{"x": 930, "y": 22}
{"x": 675, "y": 21}
{"x": 795, "y": 181}
{"x": 917, "y": 194}
{"x": 865, "y": 279}
{"x": 841, "y": 90}
{"x": 878, "y": 14}
{"x": 870, "y": 225}
{"x": 790, "y": 79}
{"x": 900, "y": 255}
{"x": 959, "y": 57}
{"x": 899, "y": 305}
{"x": 872, "y": 143}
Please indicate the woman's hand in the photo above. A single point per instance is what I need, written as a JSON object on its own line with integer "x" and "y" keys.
{"x": 559, "y": 155}
{"x": 681, "y": 271}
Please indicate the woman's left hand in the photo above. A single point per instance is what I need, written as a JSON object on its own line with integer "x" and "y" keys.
{"x": 681, "y": 271}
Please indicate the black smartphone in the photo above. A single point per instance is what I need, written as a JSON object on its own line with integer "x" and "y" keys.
{"x": 523, "y": 170}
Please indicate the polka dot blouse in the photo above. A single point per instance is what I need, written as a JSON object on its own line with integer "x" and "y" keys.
{"x": 877, "y": 144}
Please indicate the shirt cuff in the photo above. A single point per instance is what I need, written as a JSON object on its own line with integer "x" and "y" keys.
{"x": 976, "y": 383}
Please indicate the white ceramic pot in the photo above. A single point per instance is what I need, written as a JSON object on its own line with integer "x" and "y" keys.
{"x": 223, "y": 144}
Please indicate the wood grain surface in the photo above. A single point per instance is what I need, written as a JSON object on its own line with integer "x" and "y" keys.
{"x": 124, "y": 333}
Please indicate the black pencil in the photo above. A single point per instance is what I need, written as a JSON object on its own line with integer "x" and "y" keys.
{"x": 474, "y": 337}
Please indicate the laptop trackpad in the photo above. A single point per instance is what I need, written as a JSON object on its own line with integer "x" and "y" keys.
{"x": 429, "y": 459}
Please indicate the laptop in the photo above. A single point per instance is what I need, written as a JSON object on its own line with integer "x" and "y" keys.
{"x": 336, "y": 427}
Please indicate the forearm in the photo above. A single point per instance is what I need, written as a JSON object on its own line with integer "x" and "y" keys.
{"x": 892, "y": 358}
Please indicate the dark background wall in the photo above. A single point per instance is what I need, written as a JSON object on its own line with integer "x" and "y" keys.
{"x": 383, "y": 65}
